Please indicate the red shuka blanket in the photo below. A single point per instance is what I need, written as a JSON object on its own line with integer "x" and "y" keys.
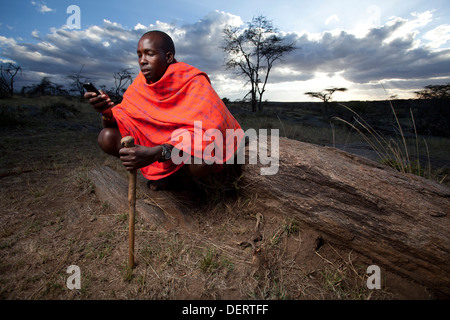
{"x": 151, "y": 112}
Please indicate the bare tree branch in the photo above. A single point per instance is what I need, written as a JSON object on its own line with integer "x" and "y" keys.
{"x": 252, "y": 52}
{"x": 121, "y": 79}
{"x": 77, "y": 81}
{"x": 8, "y": 73}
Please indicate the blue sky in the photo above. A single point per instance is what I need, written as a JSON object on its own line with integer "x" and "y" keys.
{"x": 361, "y": 45}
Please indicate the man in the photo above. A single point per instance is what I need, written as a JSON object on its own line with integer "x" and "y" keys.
{"x": 166, "y": 95}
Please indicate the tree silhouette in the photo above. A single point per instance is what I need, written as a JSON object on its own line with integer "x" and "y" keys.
{"x": 436, "y": 91}
{"x": 121, "y": 79}
{"x": 252, "y": 53}
{"x": 7, "y": 74}
{"x": 77, "y": 82}
{"x": 45, "y": 88}
{"x": 325, "y": 96}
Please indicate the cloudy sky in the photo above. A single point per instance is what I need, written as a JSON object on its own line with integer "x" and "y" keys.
{"x": 376, "y": 49}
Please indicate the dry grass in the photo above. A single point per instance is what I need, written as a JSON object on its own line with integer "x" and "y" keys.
{"x": 400, "y": 146}
{"x": 51, "y": 218}
{"x": 399, "y": 152}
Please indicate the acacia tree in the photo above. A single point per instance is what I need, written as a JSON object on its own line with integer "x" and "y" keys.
{"x": 325, "y": 96}
{"x": 252, "y": 52}
{"x": 7, "y": 75}
{"x": 121, "y": 78}
{"x": 436, "y": 91}
{"x": 77, "y": 82}
{"x": 43, "y": 88}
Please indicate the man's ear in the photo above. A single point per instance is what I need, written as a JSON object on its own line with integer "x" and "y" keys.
{"x": 169, "y": 57}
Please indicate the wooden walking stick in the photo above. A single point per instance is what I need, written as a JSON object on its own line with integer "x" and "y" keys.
{"x": 128, "y": 142}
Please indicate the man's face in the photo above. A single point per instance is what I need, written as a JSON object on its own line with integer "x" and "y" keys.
{"x": 153, "y": 61}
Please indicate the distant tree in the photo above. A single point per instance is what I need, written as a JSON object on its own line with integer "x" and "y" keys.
{"x": 77, "y": 82}
{"x": 7, "y": 74}
{"x": 437, "y": 91}
{"x": 325, "y": 96}
{"x": 121, "y": 79}
{"x": 252, "y": 52}
{"x": 60, "y": 90}
{"x": 45, "y": 88}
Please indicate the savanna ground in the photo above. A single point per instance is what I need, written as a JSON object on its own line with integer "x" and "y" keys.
{"x": 51, "y": 218}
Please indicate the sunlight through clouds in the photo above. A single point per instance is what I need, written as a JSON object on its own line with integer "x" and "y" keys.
{"x": 366, "y": 21}
{"x": 370, "y": 51}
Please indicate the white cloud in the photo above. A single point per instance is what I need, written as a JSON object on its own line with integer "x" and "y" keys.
{"x": 35, "y": 34}
{"x": 331, "y": 19}
{"x": 389, "y": 51}
{"x": 385, "y": 53}
{"x": 7, "y": 43}
{"x": 139, "y": 27}
{"x": 439, "y": 36}
{"x": 42, "y": 7}
{"x": 409, "y": 28}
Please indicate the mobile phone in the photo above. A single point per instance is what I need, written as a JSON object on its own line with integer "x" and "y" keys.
{"x": 91, "y": 88}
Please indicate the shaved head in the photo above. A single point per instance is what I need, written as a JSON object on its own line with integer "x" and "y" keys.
{"x": 155, "y": 52}
{"x": 165, "y": 41}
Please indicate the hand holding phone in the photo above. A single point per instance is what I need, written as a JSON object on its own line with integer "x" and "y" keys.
{"x": 89, "y": 87}
{"x": 101, "y": 102}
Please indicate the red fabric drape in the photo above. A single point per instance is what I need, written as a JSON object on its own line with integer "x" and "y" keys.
{"x": 152, "y": 112}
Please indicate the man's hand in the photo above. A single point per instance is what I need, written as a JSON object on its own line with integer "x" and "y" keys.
{"x": 139, "y": 156}
{"x": 100, "y": 103}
